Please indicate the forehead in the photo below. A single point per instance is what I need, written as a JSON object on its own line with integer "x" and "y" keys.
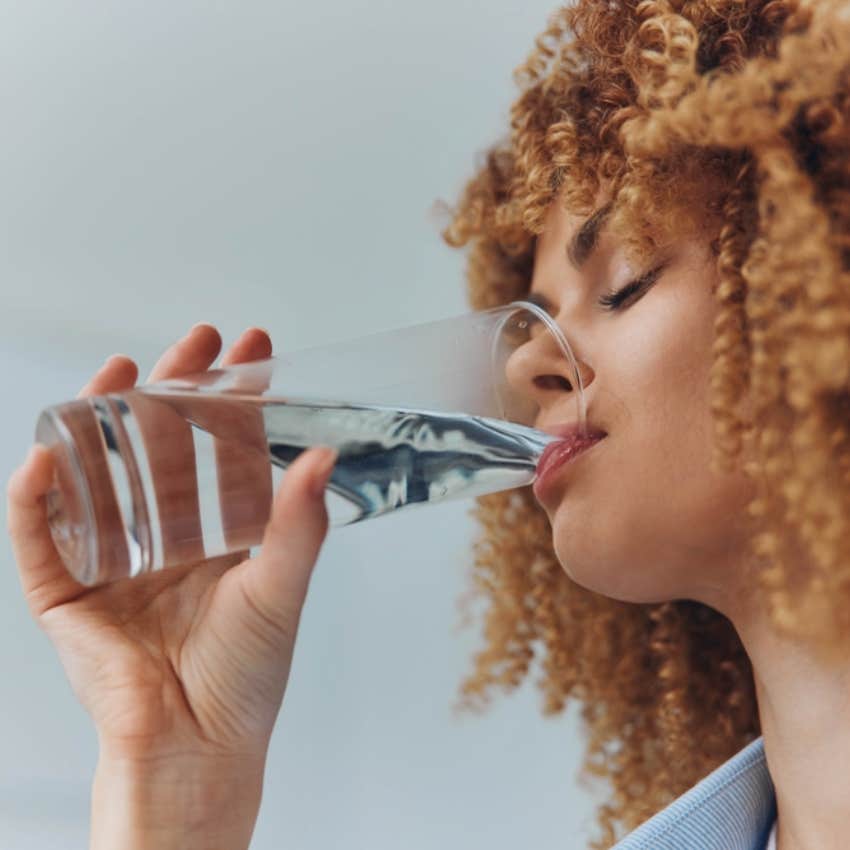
{"x": 561, "y": 222}
{"x": 694, "y": 213}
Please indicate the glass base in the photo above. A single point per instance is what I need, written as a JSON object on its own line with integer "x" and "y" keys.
{"x": 70, "y": 515}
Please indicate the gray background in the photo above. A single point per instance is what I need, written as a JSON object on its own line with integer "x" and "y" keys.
{"x": 163, "y": 163}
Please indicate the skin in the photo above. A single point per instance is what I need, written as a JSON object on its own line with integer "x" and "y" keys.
{"x": 645, "y": 372}
{"x": 643, "y": 518}
{"x": 183, "y": 671}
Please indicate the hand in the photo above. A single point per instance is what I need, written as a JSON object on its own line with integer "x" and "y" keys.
{"x": 193, "y": 660}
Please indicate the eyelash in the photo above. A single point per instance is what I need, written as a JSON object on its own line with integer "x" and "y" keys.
{"x": 612, "y": 300}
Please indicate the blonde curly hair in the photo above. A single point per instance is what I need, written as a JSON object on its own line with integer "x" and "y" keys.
{"x": 747, "y": 102}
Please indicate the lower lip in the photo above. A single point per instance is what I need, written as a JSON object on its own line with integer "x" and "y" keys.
{"x": 545, "y": 481}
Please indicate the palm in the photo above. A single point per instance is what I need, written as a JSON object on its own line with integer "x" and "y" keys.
{"x": 193, "y": 658}
{"x": 150, "y": 652}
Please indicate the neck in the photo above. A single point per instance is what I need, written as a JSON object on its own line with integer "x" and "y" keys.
{"x": 804, "y": 709}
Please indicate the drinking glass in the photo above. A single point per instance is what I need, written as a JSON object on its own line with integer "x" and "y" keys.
{"x": 182, "y": 470}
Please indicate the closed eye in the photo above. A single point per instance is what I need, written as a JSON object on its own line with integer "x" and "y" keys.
{"x": 612, "y": 300}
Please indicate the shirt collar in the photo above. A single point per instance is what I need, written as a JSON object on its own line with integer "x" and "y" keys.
{"x": 732, "y": 808}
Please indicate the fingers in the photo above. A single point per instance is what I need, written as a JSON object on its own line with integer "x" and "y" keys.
{"x": 244, "y": 470}
{"x": 243, "y": 478}
{"x": 117, "y": 374}
{"x": 170, "y": 449}
{"x": 194, "y": 353}
{"x": 42, "y": 574}
{"x": 254, "y": 344}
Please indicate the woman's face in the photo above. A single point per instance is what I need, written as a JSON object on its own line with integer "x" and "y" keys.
{"x": 641, "y": 517}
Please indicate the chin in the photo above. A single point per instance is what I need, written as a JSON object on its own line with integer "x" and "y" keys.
{"x": 616, "y": 576}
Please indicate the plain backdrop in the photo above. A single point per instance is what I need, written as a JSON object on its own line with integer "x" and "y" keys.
{"x": 273, "y": 164}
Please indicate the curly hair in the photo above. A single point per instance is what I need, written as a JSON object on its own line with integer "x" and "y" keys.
{"x": 747, "y": 103}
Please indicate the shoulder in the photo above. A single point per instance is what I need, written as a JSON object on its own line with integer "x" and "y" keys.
{"x": 733, "y": 808}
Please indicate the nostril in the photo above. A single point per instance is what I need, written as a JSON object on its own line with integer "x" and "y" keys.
{"x": 552, "y": 382}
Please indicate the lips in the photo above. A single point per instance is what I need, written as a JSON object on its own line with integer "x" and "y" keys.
{"x": 571, "y": 430}
{"x": 571, "y": 443}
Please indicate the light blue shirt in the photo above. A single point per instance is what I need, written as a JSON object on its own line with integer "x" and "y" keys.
{"x": 733, "y": 808}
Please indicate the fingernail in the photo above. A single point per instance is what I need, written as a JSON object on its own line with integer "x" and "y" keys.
{"x": 323, "y": 469}
{"x": 201, "y": 325}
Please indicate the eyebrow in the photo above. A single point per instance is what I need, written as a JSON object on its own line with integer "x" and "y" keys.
{"x": 582, "y": 245}
{"x": 579, "y": 248}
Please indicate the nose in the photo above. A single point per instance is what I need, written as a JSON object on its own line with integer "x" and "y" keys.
{"x": 539, "y": 372}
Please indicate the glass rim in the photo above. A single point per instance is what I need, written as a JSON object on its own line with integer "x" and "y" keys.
{"x": 558, "y": 334}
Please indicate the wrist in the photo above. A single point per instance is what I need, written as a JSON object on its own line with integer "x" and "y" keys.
{"x": 179, "y": 802}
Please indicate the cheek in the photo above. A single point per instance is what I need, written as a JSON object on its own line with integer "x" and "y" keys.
{"x": 645, "y": 519}
{"x": 648, "y": 521}
{"x": 624, "y": 526}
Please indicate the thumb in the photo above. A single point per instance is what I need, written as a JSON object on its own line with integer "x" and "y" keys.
{"x": 274, "y": 583}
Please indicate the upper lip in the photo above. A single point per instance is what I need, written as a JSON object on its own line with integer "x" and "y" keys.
{"x": 566, "y": 432}
{"x": 572, "y": 430}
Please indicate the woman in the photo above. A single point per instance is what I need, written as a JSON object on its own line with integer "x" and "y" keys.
{"x": 676, "y": 192}
{"x": 696, "y": 597}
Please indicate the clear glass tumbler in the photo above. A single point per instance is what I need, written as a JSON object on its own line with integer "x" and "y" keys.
{"x": 182, "y": 470}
